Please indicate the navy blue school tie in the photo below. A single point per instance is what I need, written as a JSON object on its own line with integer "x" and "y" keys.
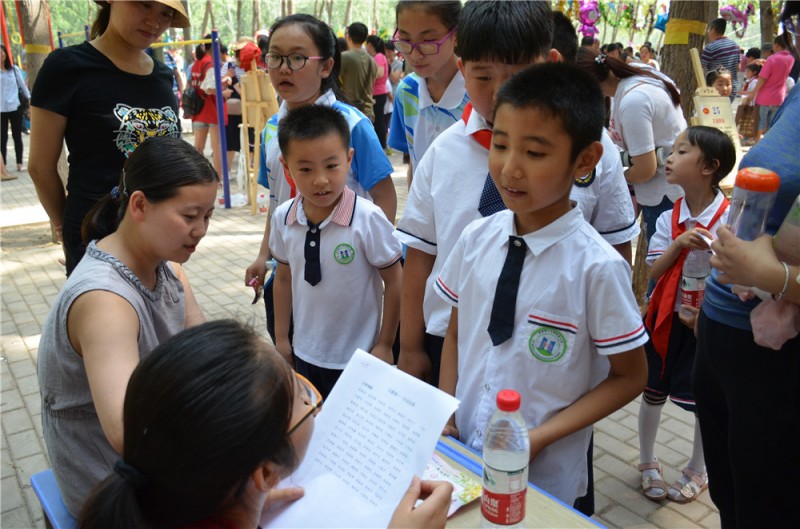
{"x": 491, "y": 202}
{"x": 313, "y": 270}
{"x": 501, "y": 322}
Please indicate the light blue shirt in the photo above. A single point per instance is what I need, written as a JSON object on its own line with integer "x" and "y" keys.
{"x": 417, "y": 120}
{"x": 11, "y": 81}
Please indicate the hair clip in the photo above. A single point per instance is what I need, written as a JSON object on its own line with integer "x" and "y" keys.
{"x": 115, "y": 192}
{"x": 600, "y": 59}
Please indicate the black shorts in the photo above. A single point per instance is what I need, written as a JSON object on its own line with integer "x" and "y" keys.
{"x": 672, "y": 378}
{"x": 233, "y": 134}
{"x": 323, "y": 378}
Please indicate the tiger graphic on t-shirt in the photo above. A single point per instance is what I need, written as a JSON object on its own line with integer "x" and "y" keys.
{"x": 138, "y": 124}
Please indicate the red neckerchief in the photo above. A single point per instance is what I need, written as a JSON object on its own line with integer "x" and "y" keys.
{"x": 483, "y": 136}
{"x": 288, "y": 177}
{"x": 662, "y": 303}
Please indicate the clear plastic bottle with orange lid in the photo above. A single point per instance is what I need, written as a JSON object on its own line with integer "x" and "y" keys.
{"x": 753, "y": 195}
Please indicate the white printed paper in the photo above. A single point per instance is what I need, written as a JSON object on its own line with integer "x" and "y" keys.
{"x": 378, "y": 428}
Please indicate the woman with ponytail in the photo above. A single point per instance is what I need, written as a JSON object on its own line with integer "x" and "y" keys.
{"x": 214, "y": 418}
{"x": 645, "y": 120}
{"x": 103, "y": 97}
{"x": 303, "y": 59}
{"x": 127, "y": 295}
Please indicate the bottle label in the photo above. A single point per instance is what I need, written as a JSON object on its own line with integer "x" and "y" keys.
{"x": 692, "y": 290}
{"x": 503, "y": 498}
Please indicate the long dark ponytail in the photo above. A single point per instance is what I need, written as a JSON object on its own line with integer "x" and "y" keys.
{"x": 158, "y": 167}
{"x": 600, "y": 65}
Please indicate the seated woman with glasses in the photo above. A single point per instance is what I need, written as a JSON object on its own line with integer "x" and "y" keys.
{"x": 214, "y": 419}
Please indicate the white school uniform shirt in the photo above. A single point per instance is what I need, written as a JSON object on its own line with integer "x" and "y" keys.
{"x": 343, "y": 311}
{"x": 574, "y": 307}
{"x": 643, "y": 118}
{"x": 662, "y": 238}
{"x": 442, "y": 201}
{"x": 604, "y": 198}
{"x": 417, "y": 119}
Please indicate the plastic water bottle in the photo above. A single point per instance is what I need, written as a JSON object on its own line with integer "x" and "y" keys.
{"x": 263, "y": 206}
{"x": 506, "y": 453}
{"x": 751, "y": 201}
{"x": 696, "y": 269}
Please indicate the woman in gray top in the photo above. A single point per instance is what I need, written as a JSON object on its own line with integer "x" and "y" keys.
{"x": 128, "y": 295}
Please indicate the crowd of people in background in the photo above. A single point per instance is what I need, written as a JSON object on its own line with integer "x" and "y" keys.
{"x": 522, "y": 142}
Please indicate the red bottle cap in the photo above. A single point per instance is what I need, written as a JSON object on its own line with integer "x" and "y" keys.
{"x": 508, "y": 400}
{"x": 757, "y": 179}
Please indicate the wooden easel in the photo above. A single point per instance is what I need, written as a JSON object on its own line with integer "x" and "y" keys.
{"x": 258, "y": 104}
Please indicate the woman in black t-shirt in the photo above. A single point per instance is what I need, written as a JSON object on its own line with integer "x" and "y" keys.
{"x": 104, "y": 97}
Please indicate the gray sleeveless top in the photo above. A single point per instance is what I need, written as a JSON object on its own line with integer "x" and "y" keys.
{"x": 80, "y": 454}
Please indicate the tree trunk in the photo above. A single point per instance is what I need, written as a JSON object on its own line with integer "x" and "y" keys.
{"x": 767, "y": 22}
{"x": 676, "y": 61}
{"x": 238, "y": 19}
{"x": 205, "y": 21}
{"x": 633, "y": 22}
{"x": 712, "y": 11}
{"x": 210, "y": 9}
{"x": 256, "y": 16}
{"x": 290, "y": 7}
{"x": 375, "y": 23}
{"x": 35, "y": 34}
{"x": 348, "y": 12}
{"x": 187, "y": 35}
{"x": 329, "y": 4}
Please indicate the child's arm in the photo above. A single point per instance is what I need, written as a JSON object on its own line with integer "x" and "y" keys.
{"x": 413, "y": 359}
{"x": 385, "y": 197}
{"x": 752, "y": 95}
{"x": 282, "y": 293}
{"x": 626, "y": 379}
{"x": 688, "y": 239}
{"x": 392, "y": 279}
{"x": 258, "y": 268}
{"x": 448, "y": 370}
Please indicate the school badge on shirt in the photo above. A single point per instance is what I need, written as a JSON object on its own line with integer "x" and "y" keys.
{"x": 344, "y": 253}
{"x": 547, "y": 344}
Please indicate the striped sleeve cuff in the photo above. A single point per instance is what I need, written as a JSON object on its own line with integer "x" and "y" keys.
{"x": 446, "y": 293}
{"x": 623, "y": 342}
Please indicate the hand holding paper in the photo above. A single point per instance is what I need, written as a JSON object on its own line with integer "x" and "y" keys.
{"x": 377, "y": 430}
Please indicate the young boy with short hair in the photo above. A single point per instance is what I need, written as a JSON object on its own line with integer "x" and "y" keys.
{"x": 563, "y": 325}
{"x": 451, "y": 186}
{"x": 340, "y": 258}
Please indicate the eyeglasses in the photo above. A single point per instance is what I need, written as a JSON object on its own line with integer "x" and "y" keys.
{"x": 295, "y": 61}
{"x": 314, "y": 400}
{"x": 425, "y": 48}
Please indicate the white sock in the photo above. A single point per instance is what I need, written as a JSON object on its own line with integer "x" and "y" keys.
{"x": 697, "y": 463}
{"x": 649, "y": 419}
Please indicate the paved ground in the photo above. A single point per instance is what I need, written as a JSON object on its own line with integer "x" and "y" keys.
{"x": 31, "y": 277}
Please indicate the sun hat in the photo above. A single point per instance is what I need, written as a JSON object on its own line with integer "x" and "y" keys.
{"x": 179, "y": 19}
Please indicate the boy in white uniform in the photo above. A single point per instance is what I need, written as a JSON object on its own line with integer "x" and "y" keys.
{"x": 451, "y": 186}
{"x": 563, "y": 325}
{"x": 340, "y": 257}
